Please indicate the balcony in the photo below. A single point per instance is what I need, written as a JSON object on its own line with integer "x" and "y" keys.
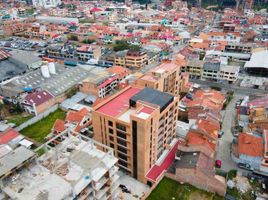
{"x": 100, "y": 193}
{"x": 113, "y": 170}
{"x": 101, "y": 182}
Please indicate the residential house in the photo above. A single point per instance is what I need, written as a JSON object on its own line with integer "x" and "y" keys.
{"x": 249, "y": 150}
{"x": 38, "y": 102}
{"x": 75, "y": 121}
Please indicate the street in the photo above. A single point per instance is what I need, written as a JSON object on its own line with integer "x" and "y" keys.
{"x": 225, "y": 142}
{"x": 226, "y": 86}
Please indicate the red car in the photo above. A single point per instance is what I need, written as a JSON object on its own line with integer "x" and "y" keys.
{"x": 218, "y": 163}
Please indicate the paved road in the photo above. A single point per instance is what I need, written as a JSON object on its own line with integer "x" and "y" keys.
{"x": 226, "y": 86}
{"x": 226, "y": 140}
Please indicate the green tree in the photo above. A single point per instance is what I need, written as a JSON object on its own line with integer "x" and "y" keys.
{"x": 72, "y": 37}
{"x": 88, "y": 41}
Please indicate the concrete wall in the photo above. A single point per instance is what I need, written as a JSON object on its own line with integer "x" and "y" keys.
{"x": 37, "y": 118}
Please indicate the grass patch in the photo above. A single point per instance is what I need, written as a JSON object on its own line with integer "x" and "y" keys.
{"x": 232, "y": 174}
{"x": 170, "y": 189}
{"x": 42, "y": 128}
{"x": 238, "y": 195}
{"x": 18, "y": 119}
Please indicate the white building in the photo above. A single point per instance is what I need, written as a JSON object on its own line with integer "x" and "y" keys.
{"x": 76, "y": 168}
{"x": 46, "y": 3}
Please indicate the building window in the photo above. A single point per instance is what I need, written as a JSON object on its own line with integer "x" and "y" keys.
{"x": 135, "y": 149}
{"x": 112, "y": 145}
{"x": 111, "y": 131}
{"x": 121, "y": 142}
{"x": 122, "y": 156}
{"x": 121, "y": 162}
{"x": 111, "y": 138}
{"x": 121, "y": 127}
{"x": 122, "y": 149}
{"x": 110, "y": 123}
{"x": 121, "y": 135}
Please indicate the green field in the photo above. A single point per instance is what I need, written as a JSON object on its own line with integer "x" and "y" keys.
{"x": 18, "y": 119}
{"x": 169, "y": 189}
{"x": 42, "y": 128}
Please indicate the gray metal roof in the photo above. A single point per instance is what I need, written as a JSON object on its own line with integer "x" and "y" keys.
{"x": 14, "y": 159}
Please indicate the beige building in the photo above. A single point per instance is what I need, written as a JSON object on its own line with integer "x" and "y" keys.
{"x": 131, "y": 59}
{"x": 166, "y": 77}
{"x": 139, "y": 124}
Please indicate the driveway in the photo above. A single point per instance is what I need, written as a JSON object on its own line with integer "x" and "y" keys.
{"x": 225, "y": 142}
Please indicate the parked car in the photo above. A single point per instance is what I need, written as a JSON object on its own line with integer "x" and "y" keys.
{"x": 124, "y": 188}
{"x": 220, "y": 134}
{"x": 218, "y": 163}
{"x": 245, "y": 166}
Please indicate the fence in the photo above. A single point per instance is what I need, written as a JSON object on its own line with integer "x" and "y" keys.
{"x": 37, "y": 118}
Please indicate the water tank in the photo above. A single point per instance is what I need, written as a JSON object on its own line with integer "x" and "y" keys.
{"x": 45, "y": 71}
{"x": 51, "y": 67}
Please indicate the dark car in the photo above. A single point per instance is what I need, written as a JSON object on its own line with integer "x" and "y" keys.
{"x": 124, "y": 188}
{"x": 245, "y": 166}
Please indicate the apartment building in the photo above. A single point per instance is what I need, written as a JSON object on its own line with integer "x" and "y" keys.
{"x": 166, "y": 77}
{"x": 76, "y": 168}
{"x": 99, "y": 86}
{"x": 87, "y": 52}
{"x": 194, "y": 68}
{"x": 229, "y": 73}
{"x": 140, "y": 125}
{"x": 238, "y": 48}
{"x": 131, "y": 59}
{"x": 211, "y": 70}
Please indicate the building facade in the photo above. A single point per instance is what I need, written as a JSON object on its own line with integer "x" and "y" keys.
{"x": 139, "y": 124}
{"x": 167, "y": 77}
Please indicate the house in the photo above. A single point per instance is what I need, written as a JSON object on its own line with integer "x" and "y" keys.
{"x": 250, "y": 150}
{"x": 77, "y": 121}
{"x": 9, "y": 135}
{"x": 197, "y": 169}
{"x": 37, "y": 102}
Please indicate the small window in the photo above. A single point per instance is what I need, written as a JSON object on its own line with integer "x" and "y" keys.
{"x": 111, "y": 131}
{"x": 110, "y": 123}
{"x": 112, "y": 145}
{"x": 111, "y": 138}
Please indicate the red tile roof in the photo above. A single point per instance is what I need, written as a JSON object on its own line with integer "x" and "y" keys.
{"x": 119, "y": 103}
{"x": 8, "y": 135}
{"x": 38, "y": 98}
{"x": 76, "y": 116}
{"x": 59, "y": 125}
{"x": 194, "y": 139}
{"x": 155, "y": 172}
{"x": 250, "y": 145}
